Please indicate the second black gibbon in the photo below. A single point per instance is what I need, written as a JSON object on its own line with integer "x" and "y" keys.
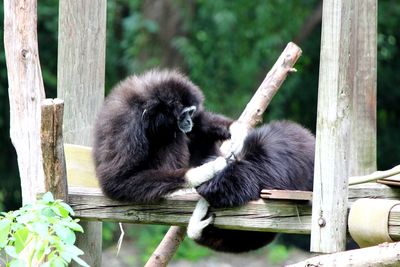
{"x": 279, "y": 155}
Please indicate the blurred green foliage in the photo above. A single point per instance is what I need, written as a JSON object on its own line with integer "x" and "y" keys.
{"x": 277, "y": 253}
{"x": 226, "y": 47}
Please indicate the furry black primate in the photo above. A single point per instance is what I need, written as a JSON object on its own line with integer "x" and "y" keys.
{"x": 279, "y": 155}
{"x": 151, "y": 129}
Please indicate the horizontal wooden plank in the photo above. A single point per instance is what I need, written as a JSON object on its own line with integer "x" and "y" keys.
{"x": 286, "y": 194}
{"x": 261, "y": 215}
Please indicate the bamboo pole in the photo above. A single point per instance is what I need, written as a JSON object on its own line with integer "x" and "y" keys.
{"x": 250, "y": 117}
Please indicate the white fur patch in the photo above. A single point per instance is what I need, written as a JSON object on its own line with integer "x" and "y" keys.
{"x": 205, "y": 172}
{"x": 196, "y": 224}
{"x": 239, "y": 132}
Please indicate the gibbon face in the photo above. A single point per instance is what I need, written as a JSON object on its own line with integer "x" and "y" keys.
{"x": 172, "y": 107}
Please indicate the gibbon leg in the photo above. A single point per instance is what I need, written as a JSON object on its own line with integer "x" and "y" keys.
{"x": 196, "y": 222}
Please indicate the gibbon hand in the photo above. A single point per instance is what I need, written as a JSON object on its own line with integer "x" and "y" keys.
{"x": 233, "y": 147}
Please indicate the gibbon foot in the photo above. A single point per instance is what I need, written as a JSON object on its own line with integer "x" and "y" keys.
{"x": 196, "y": 222}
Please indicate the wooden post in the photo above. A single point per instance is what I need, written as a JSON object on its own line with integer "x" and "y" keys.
{"x": 346, "y": 124}
{"x": 363, "y": 66}
{"x": 81, "y": 70}
{"x": 329, "y": 211}
{"x": 26, "y": 92}
{"x": 53, "y": 148}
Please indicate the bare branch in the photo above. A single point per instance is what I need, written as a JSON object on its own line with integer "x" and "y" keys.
{"x": 386, "y": 254}
{"x": 167, "y": 248}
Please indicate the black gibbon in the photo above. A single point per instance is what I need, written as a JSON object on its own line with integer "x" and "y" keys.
{"x": 151, "y": 129}
{"x": 279, "y": 155}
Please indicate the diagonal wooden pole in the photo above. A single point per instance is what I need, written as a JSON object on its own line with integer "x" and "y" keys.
{"x": 251, "y": 116}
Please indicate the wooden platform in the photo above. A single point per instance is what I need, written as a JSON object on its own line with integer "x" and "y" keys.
{"x": 262, "y": 215}
{"x": 285, "y": 216}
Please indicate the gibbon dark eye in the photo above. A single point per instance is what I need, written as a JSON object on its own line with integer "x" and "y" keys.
{"x": 185, "y": 123}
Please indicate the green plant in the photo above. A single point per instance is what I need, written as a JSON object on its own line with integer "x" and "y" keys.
{"x": 40, "y": 234}
{"x": 277, "y": 253}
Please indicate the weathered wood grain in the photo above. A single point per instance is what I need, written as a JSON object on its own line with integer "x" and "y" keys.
{"x": 26, "y": 91}
{"x": 363, "y": 68}
{"x": 166, "y": 249}
{"x": 52, "y": 148}
{"x": 81, "y": 69}
{"x": 258, "y": 215}
{"x": 261, "y": 215}
{"x": 81, "y": 65}
{"x": 383, "y": 255}
{"x": 286, "y": 194}
{"x": 332, "y": 151}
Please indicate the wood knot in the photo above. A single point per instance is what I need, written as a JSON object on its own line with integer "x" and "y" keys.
{"x": 24, "y": 53}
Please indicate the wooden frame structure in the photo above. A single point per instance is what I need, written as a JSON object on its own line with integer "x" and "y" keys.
{"x": 346, "y": 125}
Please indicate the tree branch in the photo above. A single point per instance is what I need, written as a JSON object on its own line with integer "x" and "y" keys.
{"x": 386, "y": 254}
{"x": 374, "y": 176}
{"x": 167, "y": 248}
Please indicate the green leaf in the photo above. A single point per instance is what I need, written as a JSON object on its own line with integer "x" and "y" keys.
{"x": 48, "y": 197}
{"x": 60, "y": 211}
{"x": 40, "y": 249}
{"x": 73, "y": 250}
{"x": 5, "y": 226}
{"x": 17, "y": 263}
{"x": 10, "y": 250}
{"x": 26, "y": 217}
{"x": 41, "y": 228}
{"x": 57, "y": 262}
{"x": 66, "y": 234}
{"x": 48, "y": 212}
{"x": 73, "y": 225}
{"x": 66, "y": 256}
{"x": 21, "y": 239}
{"x": 80, "y": 261}
{"x": 68, "y": 208}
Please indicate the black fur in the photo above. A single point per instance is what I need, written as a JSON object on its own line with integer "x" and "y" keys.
{"x": 140, "y": 154}
{"x": 279, "y": 155}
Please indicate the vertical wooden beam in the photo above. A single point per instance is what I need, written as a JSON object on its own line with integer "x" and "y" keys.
{"x": 81, "y": 70}
{"x": 26, "y": 92}
{"x": 53, "y": 148}
{"x": 364, "y": 65}
{"x": 329, "y": 218}
{"x": 346, "y": 124}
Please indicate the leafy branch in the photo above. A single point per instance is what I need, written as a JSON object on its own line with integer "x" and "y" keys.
{"x": 40, "y": 234}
